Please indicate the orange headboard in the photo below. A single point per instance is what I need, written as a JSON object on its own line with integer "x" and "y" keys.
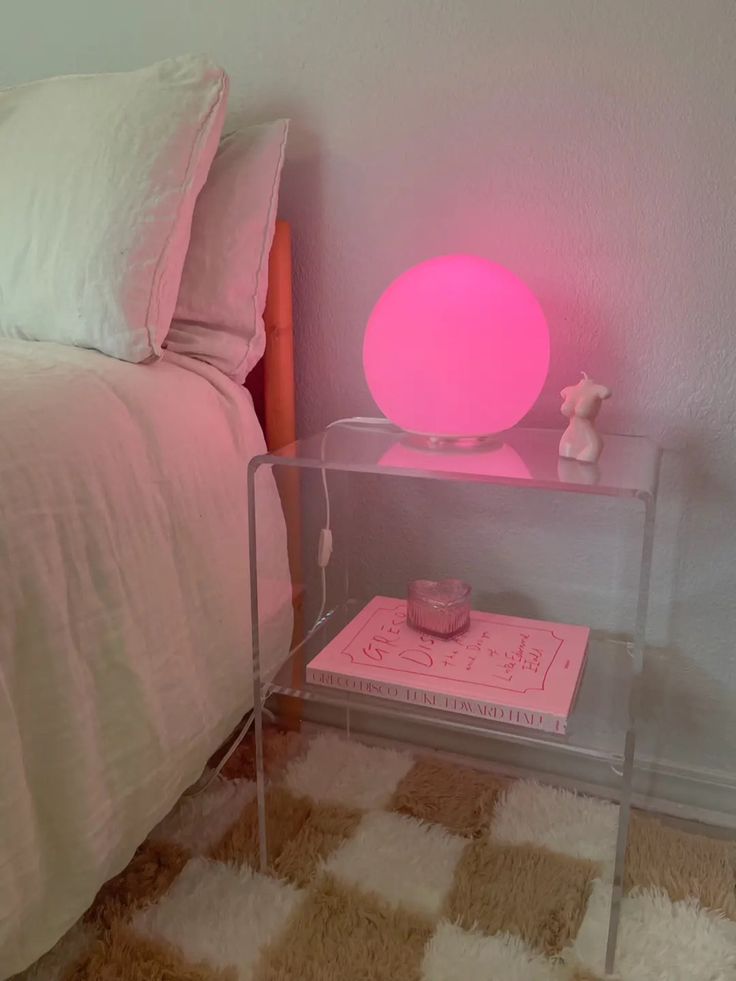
{"x": 271, "y": 383}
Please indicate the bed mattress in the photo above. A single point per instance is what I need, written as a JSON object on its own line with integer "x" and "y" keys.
{"x": 124, "y": 611}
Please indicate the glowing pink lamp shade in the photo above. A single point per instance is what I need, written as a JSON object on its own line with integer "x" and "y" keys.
{"x": 456, "y": 347}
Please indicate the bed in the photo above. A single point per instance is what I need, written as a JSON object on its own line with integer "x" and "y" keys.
{"x": 124, "y": 612}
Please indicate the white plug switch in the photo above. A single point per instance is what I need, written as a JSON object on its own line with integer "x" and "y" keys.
{"x": 324, "y": 549}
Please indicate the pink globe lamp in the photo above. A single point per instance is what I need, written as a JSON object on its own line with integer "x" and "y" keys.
{"x": 457, "y": 348}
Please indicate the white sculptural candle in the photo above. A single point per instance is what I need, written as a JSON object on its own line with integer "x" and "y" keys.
{"x": 581, "y": 404}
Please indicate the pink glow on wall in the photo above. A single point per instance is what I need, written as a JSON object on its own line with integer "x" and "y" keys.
{"x": 456, "y": 346}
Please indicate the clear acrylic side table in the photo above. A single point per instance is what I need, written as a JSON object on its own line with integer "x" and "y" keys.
{"x": 602, "y": 726}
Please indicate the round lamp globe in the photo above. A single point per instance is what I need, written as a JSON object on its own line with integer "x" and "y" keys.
{"x": 457, "y": 347}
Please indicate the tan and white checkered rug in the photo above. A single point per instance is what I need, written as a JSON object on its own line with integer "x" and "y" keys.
{"x": 388, "y": 866}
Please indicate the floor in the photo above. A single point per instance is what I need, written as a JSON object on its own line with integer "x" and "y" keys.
{"x": 386, "y": 863}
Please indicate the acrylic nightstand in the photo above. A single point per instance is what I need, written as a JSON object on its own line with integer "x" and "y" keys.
{"x": 602, "y": 726}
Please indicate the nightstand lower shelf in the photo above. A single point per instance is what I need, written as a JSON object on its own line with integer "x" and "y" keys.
{"x": 597, "y": 725}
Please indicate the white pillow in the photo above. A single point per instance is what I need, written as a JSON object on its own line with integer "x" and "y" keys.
{"x": 219, "y": 315}
{"x": 98, "y": 179}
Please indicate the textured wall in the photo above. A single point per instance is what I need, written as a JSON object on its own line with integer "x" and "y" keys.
{"x": 588, "y": 145}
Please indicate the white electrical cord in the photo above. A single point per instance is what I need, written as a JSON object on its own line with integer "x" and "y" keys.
{"x": 221, "y": 765}
{"x": 324, "y": 546}
{"x": 324, "y": 554}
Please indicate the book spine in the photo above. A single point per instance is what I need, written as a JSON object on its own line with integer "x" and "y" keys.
{"x": 418, "y": 697}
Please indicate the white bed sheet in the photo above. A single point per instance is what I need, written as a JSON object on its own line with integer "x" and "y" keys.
{"x": 124, "y": 612}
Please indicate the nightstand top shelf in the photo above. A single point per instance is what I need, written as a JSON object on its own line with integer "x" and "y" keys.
{"x": 524, "y": 457}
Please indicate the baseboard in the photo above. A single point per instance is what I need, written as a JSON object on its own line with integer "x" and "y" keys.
{"x": 688, "y": 794}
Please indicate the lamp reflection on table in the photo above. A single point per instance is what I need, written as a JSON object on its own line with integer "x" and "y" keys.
{"x": 494, "y": 459}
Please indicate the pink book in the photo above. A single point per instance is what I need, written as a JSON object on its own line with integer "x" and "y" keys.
{"x": 505, "y": 669}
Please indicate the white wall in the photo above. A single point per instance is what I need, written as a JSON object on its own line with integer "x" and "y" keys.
{"x": 588, "y": 145}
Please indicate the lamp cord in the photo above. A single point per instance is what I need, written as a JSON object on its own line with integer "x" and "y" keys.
{"x": 324, "y": 546}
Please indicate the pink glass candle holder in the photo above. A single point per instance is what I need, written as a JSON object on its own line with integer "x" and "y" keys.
{"x": 439, "y": 608}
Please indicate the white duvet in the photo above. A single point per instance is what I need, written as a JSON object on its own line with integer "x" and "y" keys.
{"x": 124, "y": 612}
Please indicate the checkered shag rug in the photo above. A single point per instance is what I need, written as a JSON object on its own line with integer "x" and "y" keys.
{"x": 387, "y": 866}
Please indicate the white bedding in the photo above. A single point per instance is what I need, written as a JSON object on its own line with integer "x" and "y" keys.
{"x": 124, "y": 612}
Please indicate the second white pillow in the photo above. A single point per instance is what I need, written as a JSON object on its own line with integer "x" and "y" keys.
{"x": 219, "y": 314}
